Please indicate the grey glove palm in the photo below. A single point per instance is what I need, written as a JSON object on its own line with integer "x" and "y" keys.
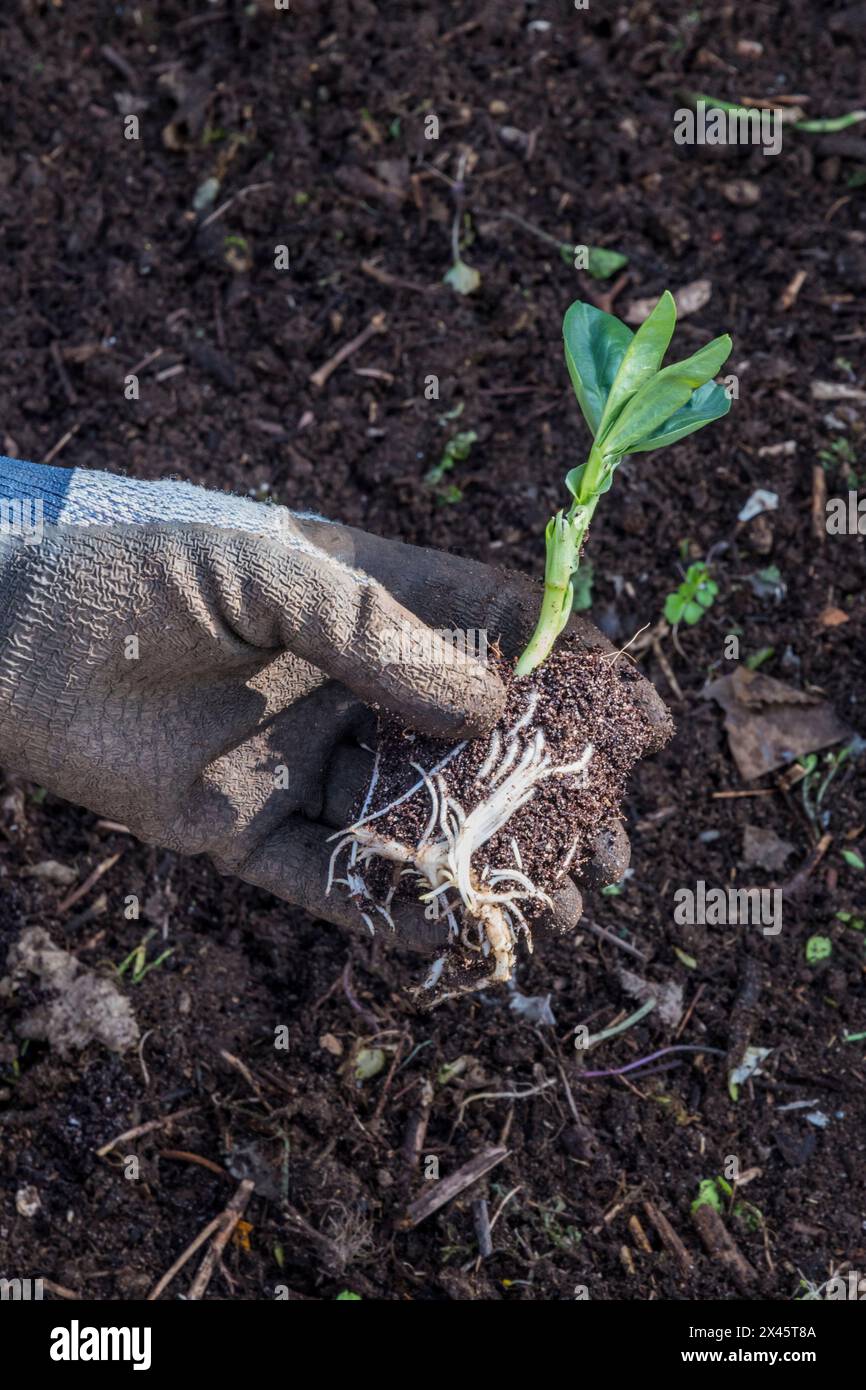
{"x": 211, "y": 687}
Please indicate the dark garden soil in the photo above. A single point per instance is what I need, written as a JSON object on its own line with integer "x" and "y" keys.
{"x": 313, "y": 121}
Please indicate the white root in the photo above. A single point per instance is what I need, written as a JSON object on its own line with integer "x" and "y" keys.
{"x": 442, "y": 859}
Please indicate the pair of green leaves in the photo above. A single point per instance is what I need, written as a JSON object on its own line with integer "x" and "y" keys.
{"x": 631, "y": 403}
{"x": 695, "y": 595}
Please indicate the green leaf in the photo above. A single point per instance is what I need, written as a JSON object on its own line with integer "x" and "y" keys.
{"x": 574, "y": 479}
{"x": 663, "y": 396}
{"x": 602, "y": 263}
{"x": 818, "y": 948}
{"x": 595, "y": 345}
{"x": 831, "y": 123}
{"x": 674, "y": 607}
{"x": 710, "y": 402}
{"x": 758, "y": 658}
{"x": 641, "y": 361}
{"x": 692, "y": 613}
{"x": 708, "y": 1196}
{"x": 348, "y": 1297}
{"x": 853, "y": 858}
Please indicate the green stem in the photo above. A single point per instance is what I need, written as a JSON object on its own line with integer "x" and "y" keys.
{"x": 564, "y": 537}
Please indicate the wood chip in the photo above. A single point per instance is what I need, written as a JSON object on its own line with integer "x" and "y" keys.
{"x": 446, "y": 1189}
{"x": 788, "y": 297}
{"x": 668, "y": 1237}
{"x": 719, "y": 1245}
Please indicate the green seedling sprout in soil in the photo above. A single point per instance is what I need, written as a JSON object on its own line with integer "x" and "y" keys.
{"x": 690, "y": 601}
{"x": 457, "y": 450}
{"x": 818, "y": 774}
{"x": 137, "y": 960}
{"x": 826, "y": 125}
{"x": 632, "y": 404}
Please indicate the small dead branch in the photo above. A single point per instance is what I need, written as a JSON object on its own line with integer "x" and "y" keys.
{"x": 446, "y": 1189}
{"x": 228, "y": 1220}
{"x": 77, "y": 893}
{"x": 668, "y": 1237}
{"x": 639, "y": 1234}
{"x": 416, "y": 1129}
{"x": 181, "y": 1260}
{"x": 819, "y": 503}
{"x": 61, "y": 443}
{"x": 720, "y": 1246}
{"x": 60, "y": 1291}
{"x": 393, "y": 282}
{"x": 788, "y": 297}
{"x": 185, "y": 1157}
{"x": 148, "y": 1128}
{"x": 376, "y": 325}
{"x": 604, "y": 935}
{"x": 796, "y": 884}
{"x": 667, "y": 669}
{"x": 236, "y": 197}
{"x": 68, "y": 389}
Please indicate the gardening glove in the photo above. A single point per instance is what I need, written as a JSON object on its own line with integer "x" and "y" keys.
{"x": 201, "y": 667}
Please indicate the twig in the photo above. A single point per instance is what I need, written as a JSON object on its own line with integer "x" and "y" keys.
{"x": 148, "y": 1128}
{"x": 386, "y": 1085}
{"x": 77, "y": 893}
{"x": 416, "y": 1129}
{"x": 181, "y": 1260}
{"x": 376, "y": 325}
{"x": 668, "y": 1236}
{"x": 393, "y": 282}
{"x": 819, "y": 503}
{"x": 61, "y": 443}
{"x": 788, "y": 297}
{"x": 243, "y": 1069}
{"x": 720, "y": 1246}
{"x": 68, "y": 388}
{"x": 667, "y": 669}
{"x": 795, "y": 884}
{"x": 229, "y": 1219}
{"x": 613, "y": 940}
{"x": 690, "y": 1010}
{"x": 504, "y": 1203}
{"x": 229, "y": 202}
{"x": 118, "y": 62}
{"x": 449, "y": 1188}
{"x": 184, "y": 1156}
{"x": 60, "y": 1291}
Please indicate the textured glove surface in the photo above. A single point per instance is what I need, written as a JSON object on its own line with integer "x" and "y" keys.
{"x": 210, "y": 688}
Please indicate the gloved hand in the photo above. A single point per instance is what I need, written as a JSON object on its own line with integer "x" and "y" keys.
{"x": 210, "y": 686}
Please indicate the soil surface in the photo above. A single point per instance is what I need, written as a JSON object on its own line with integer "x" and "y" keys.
{"x": 121, "y": 255}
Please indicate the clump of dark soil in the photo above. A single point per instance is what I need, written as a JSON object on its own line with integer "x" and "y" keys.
{"x": 562, "y": 751}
